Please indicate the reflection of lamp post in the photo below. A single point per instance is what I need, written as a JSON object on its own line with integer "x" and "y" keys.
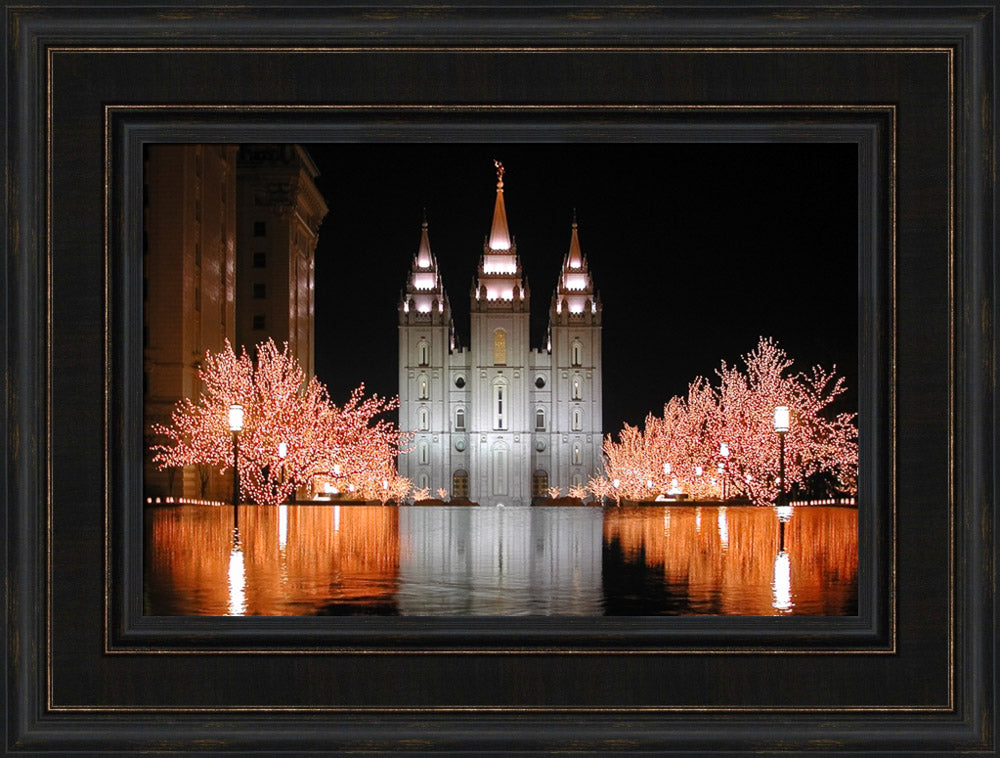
{"x": 724, "y": 452}
{"x": 783, "y": 565}
{"x": 781, "y": 424}
{"x": 236, "y": 426}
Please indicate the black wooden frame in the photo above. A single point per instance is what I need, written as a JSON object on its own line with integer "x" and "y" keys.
{"x": 913, "y": 87}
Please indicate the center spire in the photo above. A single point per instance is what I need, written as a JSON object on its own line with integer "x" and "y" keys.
{"x": 499, "y": 234}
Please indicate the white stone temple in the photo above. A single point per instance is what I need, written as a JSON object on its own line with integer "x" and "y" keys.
{"x": 499, "y": 422}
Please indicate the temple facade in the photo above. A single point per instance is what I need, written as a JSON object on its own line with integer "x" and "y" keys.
{"x": 498, "y": 421}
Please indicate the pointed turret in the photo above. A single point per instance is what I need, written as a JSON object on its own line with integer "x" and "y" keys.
{"x": 575, "y": 295}
{"x": 499, "y": 238}
{"x": 424, "y": 297}
{"x": 500, "y": 279}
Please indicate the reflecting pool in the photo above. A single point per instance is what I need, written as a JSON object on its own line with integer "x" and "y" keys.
{"x": 298, "y": 560}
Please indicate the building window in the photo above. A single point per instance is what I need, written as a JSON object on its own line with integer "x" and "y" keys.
{"x": 197, "y": 298}
{"x": 577, "y": 420}
{"x": 197, "y": 253}
{"x": 540, "y": 382}
{"x": 540, "y": 420}
{"x": 500, "y": 469}
{"x": 259, "y": 290}
{"x": 460, "y": 483}
{"x": 540, "y": 484}
{"x": 423, "y": 353}
{"x": 500, "y": 348}
{"x": 260, "y": 260}
{"x": 423, "y": 454}
{"x": 422, "y": 388}
{"x": 577, "y": 457}
{"x": 259, "y": 322}
{"x": 460, "y": 419}
{"x": 577, "y": 355}
{"x": 460, "y": 381}
{"x": 423, "y": 419}
{"x": 576, "y": 387}
{"x": 499, "y": 405}
{"x": 259, "y": 228}
{"x": 424, "y": 482}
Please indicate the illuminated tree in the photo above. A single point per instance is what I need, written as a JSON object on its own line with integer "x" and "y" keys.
{"x": 284, "y": 413}
{"x": 442, "y": 493}
{"x": 421, "y": 494}
{"x": 554, "y": 492}
{"x": 578, "y": 491}
{"x": 683, "y": 449}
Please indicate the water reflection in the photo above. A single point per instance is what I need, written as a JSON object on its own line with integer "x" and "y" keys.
{"x": 322, "y": 559}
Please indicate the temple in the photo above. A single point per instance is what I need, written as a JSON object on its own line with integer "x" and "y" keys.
{"x": 498, "y": 421}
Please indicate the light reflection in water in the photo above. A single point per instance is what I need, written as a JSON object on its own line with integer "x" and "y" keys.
{"x": 237, "y": 579}
{"x": 321, "y": 559}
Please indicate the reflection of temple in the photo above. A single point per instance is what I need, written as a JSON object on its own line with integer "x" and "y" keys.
{"x": 729, "y": 560}
{"x": 507, "y": 560}
{"x": 319, "y": 559}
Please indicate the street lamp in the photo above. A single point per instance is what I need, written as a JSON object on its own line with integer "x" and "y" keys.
{"x": 781, "y": 425}
{"x": 724, "y": 452}
{"x": 616, "y": 484}
{"x": 236, "y": 426}
{"x": 282, "y": 454}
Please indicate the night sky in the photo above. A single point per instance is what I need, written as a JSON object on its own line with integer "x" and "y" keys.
{"x": 696, "y": 250}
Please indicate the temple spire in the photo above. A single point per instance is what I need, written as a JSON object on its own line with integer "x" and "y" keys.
{"x": 424, "y": 259}
{"x": 499, "y": 234}
{"x": 575, "y": 258}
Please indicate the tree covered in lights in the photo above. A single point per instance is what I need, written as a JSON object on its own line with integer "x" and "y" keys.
{"x": 723, "y": 435}
{"x": 292, "y": 432}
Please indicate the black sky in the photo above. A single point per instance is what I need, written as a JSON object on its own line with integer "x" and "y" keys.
{"x": 696, "y": 250}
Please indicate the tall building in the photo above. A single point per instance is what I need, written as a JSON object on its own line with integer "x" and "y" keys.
{"x": 279, "y": 212}
{"x": 228, "y": 246}
{"x": 498, "y": 421}
{"x": 189, "y": 277}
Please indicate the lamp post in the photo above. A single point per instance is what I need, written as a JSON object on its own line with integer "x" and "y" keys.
{"x": 724, "y": 452}
{"x": 282, "y": 454}
{"x": 616, "y": 484}
{"x": 781, "y": 425}
{"x": 236, "y": 426}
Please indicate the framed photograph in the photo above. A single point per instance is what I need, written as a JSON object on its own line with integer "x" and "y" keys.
{"x": 684, "y": 193}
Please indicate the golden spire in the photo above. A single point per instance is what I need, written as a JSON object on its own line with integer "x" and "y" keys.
{"x": 499, "y": 234}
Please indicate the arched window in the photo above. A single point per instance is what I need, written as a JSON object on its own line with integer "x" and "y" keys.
{"x": 423, "y": 453}
{"x": 423, "y": 419}
{"x": 423, "y": 353}
{"x": 424, "y": 481}
{"x": 500, "y": 405}
{"x": 500, "y": 348}
{"x": 540, "y": 420}
{"x": 460, "y": 483}
{"x": 540, "y": 484}
{"x": 577, "y": 457}
{"x": 423, "y": 389}
{"x": 577, "y": 420}
{"x": 577, "y": 353}
{"x": 460, "y": 418}
{"x": 577, "y": 384}
{"x": 499, "y": 479}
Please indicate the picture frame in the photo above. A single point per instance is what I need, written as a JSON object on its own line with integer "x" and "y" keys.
{"x": 913, "y": 88}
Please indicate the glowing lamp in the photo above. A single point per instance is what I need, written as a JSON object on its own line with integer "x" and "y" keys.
{"x": 236, "y": 418}
{"x": 781, "y": 419}
{"x": 616, "y": 483}
{"x": 697, "y": 470}
{"x": 724, "y": 450}
{"x": 666, "y": 469}
{"x": 282, "y": 450}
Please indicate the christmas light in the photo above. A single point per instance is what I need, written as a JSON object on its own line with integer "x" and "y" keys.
{"x": 735, "y": 420}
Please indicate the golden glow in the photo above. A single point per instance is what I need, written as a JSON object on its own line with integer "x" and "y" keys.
{"x": 781, "y": 419}
{"x": 236, "y": 581}
{"x": 500, "y": 348}
{"x": 739, "y": 572}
